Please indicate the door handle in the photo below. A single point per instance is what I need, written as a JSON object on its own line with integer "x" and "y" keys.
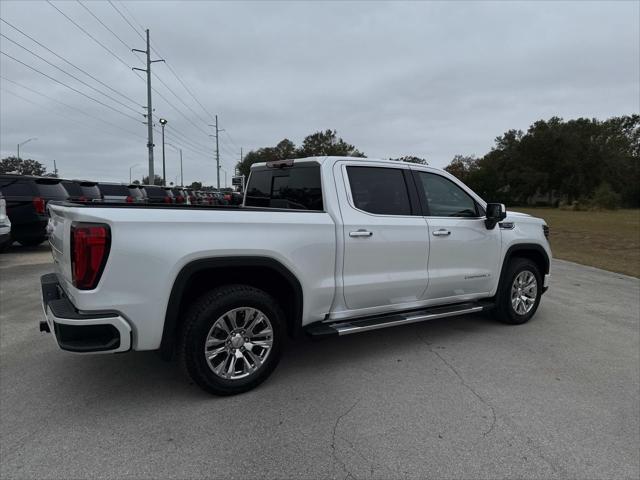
{"x": 441, "y": 233}
{"x": 361, "y": 233}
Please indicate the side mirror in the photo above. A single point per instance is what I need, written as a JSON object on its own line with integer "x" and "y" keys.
{"x": 496, "y": 212}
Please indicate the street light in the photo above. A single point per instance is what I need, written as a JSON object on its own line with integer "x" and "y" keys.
{"x": 180, "y": 150}
{"x": 23, "y": 143}
{"x": 131, "y": 168}
{"x": 163, "y": 122}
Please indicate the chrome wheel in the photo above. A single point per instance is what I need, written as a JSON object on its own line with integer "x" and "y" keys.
{"x": 524, "y": 292}
{"x": 238, "y": 343}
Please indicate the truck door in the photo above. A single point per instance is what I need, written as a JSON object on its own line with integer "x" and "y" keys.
{"x": 465, "y": 256}
{"x": 386, "y": 244}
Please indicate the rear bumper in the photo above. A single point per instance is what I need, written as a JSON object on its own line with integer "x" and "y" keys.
{"x": 81, "y": 332}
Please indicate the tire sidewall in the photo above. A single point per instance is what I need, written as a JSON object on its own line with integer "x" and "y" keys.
{"x": 518, "y": 266}
{"x": 202, "y": 319}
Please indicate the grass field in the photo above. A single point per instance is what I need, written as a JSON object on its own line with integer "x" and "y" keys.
{"x": 603, "y": 239}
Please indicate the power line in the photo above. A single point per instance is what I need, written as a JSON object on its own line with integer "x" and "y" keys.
{"x": 69, "y": 106}
{"x": 91, "y": 36}
{"x": 69, "y": 63}
{"x": 70, "y": 87}
{"x": 69, "y": 74}
{"x": 58, "y": 113}
{"x": 103, "y": 24}
{"x": 175, "y": 74}
{"x": 178, "y": 97}
{"x": 125, "y": 18}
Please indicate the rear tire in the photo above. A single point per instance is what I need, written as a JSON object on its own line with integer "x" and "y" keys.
{"x": 31, "y": 242}
{"x": 519, "y": 293}
{"x": 232, "y": 339}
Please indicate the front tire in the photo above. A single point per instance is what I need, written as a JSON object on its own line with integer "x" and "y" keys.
{"x": 519, "y": 293}
{"x": 232, "y": 339}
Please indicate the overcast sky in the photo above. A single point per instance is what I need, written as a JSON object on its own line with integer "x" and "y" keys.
{"x": 431, "y": 79}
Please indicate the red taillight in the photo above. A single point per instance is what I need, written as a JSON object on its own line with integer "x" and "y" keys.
{"x": 167, "y": 199}
{"x": 192, "y": 199}
{"x": 129, "y": 199}
{"x": 83, "y": 199}
{"x": 89, "y": 251}
{"x": 38, "y": 204}
{"x": 179, "y": 199}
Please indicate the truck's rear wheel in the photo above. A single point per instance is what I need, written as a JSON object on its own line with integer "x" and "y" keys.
{"x": 232, "y": 339}
{"x": 519, "y": 294}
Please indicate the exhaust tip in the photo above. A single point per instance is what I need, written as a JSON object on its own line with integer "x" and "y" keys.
{"x": 44, "y": 327}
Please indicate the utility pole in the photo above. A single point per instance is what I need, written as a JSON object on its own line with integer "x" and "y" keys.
{"x": 181, "y": 177}
{"x": 217, "y": 150}
{"x": 149, "y": 106}
{"x": 55, "y": 168}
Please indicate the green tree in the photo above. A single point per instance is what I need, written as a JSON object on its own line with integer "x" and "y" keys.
{"x": 196, "y": 185}
{"x": 316, "y": 144}
{"x": 157, "y": 180}
{"x": 461, "y": 166}
{"x": 557, "y": 159}
{"x": 327, "y": 143}
{"x": 21, "y": 166}
{"x": 285, "y": 149}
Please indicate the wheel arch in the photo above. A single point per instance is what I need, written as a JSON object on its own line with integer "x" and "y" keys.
{"x": 202, "y": 275}
{"x": 532, "y": 251}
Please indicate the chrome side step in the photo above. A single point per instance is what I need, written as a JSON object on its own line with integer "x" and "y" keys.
{"x": 347, "y": 327}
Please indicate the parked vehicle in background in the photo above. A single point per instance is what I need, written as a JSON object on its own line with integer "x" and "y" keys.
{"x": 137, "y": 193}
{"x": 326, "y": 246}
{"x": 169, "y": 193}
{"x": 82, "y": 190}
{"x": 237, "y": 198}
{"x": 179, "y": 196}
{"x": 115, "y": 193}
{"x": 218, "y": 197}
{"x": 157, "y": 194}
{"x": 200, "y": 200}
{"x": 26, "y": 200}
{"x": 191, "y": 196}
{"x": 5, "y": 226}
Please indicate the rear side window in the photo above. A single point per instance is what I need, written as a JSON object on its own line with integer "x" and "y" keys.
{"x": 17, "y": 188}
{"x": 72, "y": 188}
{"x": 135, "y": 192}
{"x": 445, "y": 198}
{"x": 90, "y": 191}
{"x": 297, "y": 188}
{"x": 379, "y": 190}
{"x": 110, "y": 189}
{"x": 155, "y": 192}
{"x": 53, "y": 190}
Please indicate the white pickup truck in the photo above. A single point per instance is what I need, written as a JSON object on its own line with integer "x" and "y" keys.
{"x": 322, "y": 246}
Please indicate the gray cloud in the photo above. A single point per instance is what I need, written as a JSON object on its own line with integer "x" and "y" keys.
{"x": 422, "y": 78}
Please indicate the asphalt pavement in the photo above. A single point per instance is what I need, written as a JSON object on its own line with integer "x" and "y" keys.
{"x": 462, "y": 397}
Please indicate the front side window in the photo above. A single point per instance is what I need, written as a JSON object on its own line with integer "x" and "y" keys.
{"x": 379, "y": 190}
{"x": 446, "y": 199}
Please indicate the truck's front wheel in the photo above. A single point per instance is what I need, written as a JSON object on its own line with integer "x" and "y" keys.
{"x": 519, "y": 294}
{"x": 232, "y": 339}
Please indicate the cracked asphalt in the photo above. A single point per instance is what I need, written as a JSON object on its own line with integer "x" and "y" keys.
{"x": 461, "y": 397}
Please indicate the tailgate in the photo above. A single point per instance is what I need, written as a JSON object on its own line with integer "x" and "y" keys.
{"x": 59, "y": 228}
